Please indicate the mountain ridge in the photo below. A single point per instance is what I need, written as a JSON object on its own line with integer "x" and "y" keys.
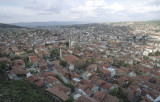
{"x": 49, "y": 23}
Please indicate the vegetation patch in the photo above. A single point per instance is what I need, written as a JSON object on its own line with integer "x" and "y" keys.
{"x": 19, "y": 91}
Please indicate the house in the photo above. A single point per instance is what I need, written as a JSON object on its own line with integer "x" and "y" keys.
{"x": 99, "y": 96}
{"x": 153, "y": 95}
{"x": 18, "y": 73}
{"x": 104, "y": 72}
{"x": 63, "y": 88}
{"x": 84, "y": 98}
{"x": 70, "y": 60}
{"x": 86, "y": 75}
{"x": 50, "y": 81}
{"x": 43, "y": 67}
{"x": 58, "y": 93}
{"x": 122, "y": 81}
{"x": 130, "y": 94}
{"x": 92, "y": 67}
{"x": 110, "y": 98}
{"x": 132, "y": 74}
{"x": 94, "y": 88}
{"x": 55, "y": 63}
{"x": 5, "y": 60}
{"x": 106, "y": 87}
{"x": 36, "y": 80}
{"x": 33, "y": 60}
{"x": 83, "y": 89}
{"x": 76, "y": 95}
{"x": 112, "y": 71}
{"x": 19, "y": 52}
{"x": 18, "y": 63}
{"x": 74, "y": 81}
{"x": 46, "y": 73}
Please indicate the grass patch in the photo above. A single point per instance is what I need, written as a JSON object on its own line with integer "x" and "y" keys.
{"x": 19, "y": 91}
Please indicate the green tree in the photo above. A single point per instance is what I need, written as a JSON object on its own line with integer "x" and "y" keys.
{"x": 27, "y": 62}
{"x": 114, "y": 92}
{"x": 54, "y": 54}
{"x": 3, "y": 67}
{"x": 70, "y": 99}
{"x": 70, "y": 86}
{"x": 63, "y": 63}
{"x": 79, "y": 65}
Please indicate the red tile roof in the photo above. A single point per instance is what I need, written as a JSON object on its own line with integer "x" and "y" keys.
{"x": 50, "y": 79}
{"x": 122, "y": 79}
{"x": 33, "y": 78}
{"x": 39, "y": 83}
{"x": 101, "y": 82}
{"x": 110, "y": 98}
{"x": 63, "y": 88}
{"x": 18, "y": 71}
{"x": 70, "y": 58}
{"x": 85, "y": 98}
{"x": 99, "y": 95}
{"x": 107, "y": 86}
{"x": 47, "y": 73}
{"x": 33, "y": 59}
{"x": 57, "y": 92}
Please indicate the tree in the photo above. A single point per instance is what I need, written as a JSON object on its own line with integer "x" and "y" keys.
{"x": 79, "y": 65}
{"x": 63, "y": 63}
{"x": 3, "y": 67}
{"x": 70, "y": 86}
{"x": 54, "y": 54}
{"x": 114, "y": 92}
{"x": 26, "y": 60}
{"x": 119, "y": 63}
{"x": 70, "y": 99}
{"x": 157, "y": 53}
{"x": 90, "y": 61}
{"x": 67, "y": 44}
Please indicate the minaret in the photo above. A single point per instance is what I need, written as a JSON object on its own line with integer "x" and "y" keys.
{"x": 60, "y": 53}
{"x": 69, "y": 41}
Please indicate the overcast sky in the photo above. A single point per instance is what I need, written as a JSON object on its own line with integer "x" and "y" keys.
{"x": 78, "y": 10}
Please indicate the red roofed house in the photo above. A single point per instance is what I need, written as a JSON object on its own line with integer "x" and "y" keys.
{"x": 58, "y": 93}
{"x": 19, "y": 72}
{"x": 33, "y": 60}
{"x": 46, "y": 73}
{"x": 99, "y": 96}
{"x": 51, "y": 81}
{"x": 36, "y": 80}
{"x": 85, "y": 98}
{"x": 110, "y": 98}
{"x": 122, "y": 81}
{"x": 70, "y": 60}
{"x": 18, "y": 63}
{"x": 63, "y": 88}
{"x": 92, "y": 67}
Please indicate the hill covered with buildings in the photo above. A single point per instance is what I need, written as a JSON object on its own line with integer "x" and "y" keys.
{"x": 100, "y": 62}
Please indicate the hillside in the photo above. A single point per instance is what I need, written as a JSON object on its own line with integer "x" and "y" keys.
{"x": 8, "y": 26}
{"x": 19, "y": 91}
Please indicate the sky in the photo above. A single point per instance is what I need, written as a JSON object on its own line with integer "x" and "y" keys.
{"x": 12, "y": 11}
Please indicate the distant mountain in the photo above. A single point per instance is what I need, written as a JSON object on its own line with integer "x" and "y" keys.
{"x": 50, "y": 23}
{"x": 8, "y": 26}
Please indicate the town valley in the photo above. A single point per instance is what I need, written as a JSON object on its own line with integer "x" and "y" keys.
{"x": 94, "y": 62}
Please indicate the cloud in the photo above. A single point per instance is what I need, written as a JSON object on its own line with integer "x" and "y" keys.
{"x": 80, "y": 10}
{"x": 93, "y": 8}
{"x": 147, "y": 6}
